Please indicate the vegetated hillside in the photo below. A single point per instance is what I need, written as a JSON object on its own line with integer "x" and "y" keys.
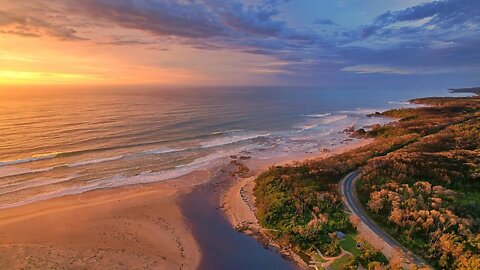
{"x": 427, "y": 194}
{"x": 301, "y": 206}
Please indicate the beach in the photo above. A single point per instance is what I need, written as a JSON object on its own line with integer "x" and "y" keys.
{"x": 239, "y": 135}
{"x": 132, "y": 227}
{"x": 138, "y": 227}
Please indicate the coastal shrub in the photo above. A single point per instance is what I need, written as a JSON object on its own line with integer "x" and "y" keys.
{"x": 420, "y": 179}
{"x": 427, "y": 193}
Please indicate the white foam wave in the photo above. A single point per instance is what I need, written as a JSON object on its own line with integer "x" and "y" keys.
{"x": 332, "y": 119}
{"x": 400, "y": 102}
{"x": 231, "y": 139}
{"x": 51, "y": 195}
{"x": 207, "y": 161}
{"x": 203, "y": 160}
{"x": 111, "y": 182}
{"x": 15, "y": 187}
{"x": 13, "y": 171}
{"x": 317, "y": 115}
{"x": 26, "y": 160}
{"x": 163, "y": 150}
{"x": 320, "y": 123}
{"x": 304, "y": 128}
{"x": 94, "y": 161}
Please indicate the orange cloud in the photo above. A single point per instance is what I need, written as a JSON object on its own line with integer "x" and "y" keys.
{"x": 47, "y": 61}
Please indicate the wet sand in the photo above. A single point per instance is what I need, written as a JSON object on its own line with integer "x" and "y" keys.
{"x": 138, "y": 227}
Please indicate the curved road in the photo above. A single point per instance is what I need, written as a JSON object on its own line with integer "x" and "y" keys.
{"x": 353, "y": 204}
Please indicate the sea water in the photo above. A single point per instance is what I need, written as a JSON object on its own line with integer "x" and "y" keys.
{"x": 61, "y": 142}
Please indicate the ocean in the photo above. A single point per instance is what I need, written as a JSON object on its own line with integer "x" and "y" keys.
{"x": 56, "y": 143}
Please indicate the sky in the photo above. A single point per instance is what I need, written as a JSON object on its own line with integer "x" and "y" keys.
{"x": 222, "y": 42}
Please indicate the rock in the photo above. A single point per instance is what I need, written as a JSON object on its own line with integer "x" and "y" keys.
{"x": 349, "y": 129}
{"x": 376, "y": 114}
{"x": 359, "y": 133}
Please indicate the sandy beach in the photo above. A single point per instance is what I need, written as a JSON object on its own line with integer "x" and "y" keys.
{"x": 133, "y": 227}
{"x": 138, "y": 227}
{"x": 212, "y": 135}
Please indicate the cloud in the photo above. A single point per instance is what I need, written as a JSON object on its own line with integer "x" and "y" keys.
{"x": 123, "y": 41}
{"x": 439, "y": 36}
{"x": 187, "y": 19}
{"x": 440, "y": 16}
{"x": 365, "y": 69}
{"x": 432, "y": 38}
{"x": 461, "y": 56}
{"x": 324, "y": 22}
{"x": 251, "y": 20}
{"x": 203, "y": 24}
{"x": 30, "y": 26}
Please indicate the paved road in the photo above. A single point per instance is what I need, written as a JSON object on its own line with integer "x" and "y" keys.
{"x": 353, "y": 204}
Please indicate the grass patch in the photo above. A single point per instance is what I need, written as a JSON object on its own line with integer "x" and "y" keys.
{"x": 337, "y": 264}
{"x": 349, "y": 244}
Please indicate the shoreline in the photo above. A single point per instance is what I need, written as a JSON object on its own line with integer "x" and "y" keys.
{"x": 239, "y": 205}
{"x": 238, "y": 201}
{"x": 73, "y": 230}
{"x": 222, "y": 245}
{"x": 139, "y": 226}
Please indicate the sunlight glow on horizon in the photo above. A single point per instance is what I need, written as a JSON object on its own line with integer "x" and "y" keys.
{"x": 235, "y": 43}
{"x": 8, "y": 77}
{"x": 51, "y": 62}
{"x": 48, "y": 61}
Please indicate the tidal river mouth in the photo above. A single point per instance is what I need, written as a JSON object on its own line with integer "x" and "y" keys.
{"x": 221, "y": 246}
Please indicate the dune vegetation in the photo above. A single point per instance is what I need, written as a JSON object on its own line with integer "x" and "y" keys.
{"x": 420, "y": 181}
